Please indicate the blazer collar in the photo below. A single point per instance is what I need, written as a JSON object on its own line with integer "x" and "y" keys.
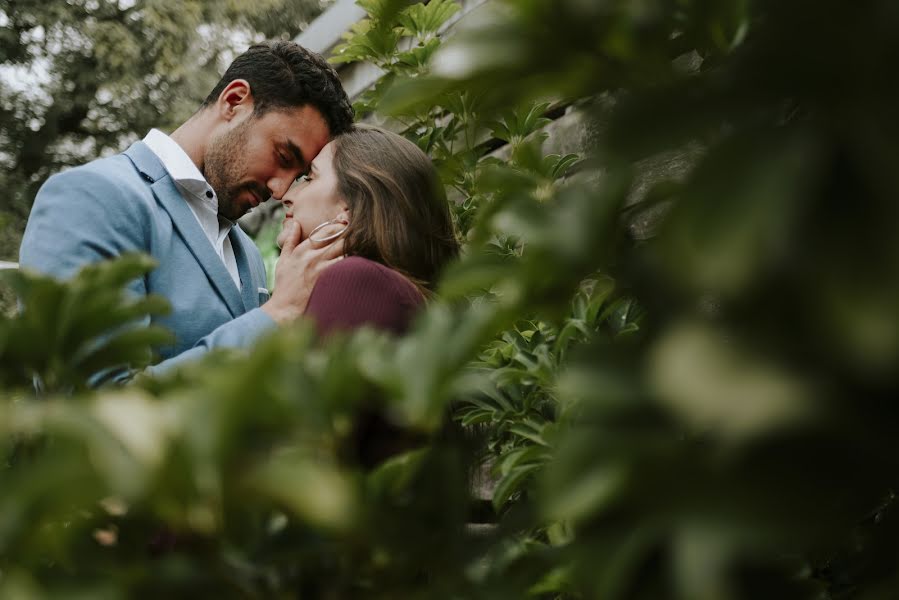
{"x": 167, "y": 194}
{"x": 146, "y": 162}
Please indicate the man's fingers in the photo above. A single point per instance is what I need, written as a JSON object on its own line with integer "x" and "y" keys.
{"x": 307, "y": 248}
{"x": 333, "y": 250}
{"x": 329, "y": 262}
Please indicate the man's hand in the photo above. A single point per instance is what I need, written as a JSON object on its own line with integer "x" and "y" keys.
{"x": 297, "y": 271}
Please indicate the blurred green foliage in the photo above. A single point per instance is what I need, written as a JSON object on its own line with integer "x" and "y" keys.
{"x": 66, "y": 336}
{"x": 705, "y": 414}
{"x": 267, "y": 242}
{"x": 85, "y": 78}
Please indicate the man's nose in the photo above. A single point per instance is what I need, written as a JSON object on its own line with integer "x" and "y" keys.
{"x": 278, "y": 186}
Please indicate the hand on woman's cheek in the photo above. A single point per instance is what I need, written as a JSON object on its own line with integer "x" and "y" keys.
{"x": 298, "y": 268}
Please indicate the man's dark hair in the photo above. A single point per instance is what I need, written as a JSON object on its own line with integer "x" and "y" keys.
{"x": 283, "y": 74}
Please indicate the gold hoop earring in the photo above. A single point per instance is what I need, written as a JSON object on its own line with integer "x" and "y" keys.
{"x": 328, "y": 238}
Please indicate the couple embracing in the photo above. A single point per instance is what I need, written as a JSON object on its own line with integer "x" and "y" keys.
{"x": 367, "y": 226}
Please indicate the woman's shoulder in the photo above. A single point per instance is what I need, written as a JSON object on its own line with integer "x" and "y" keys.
{"x": 356, "y": 291}
{"x": 356, "y": 271}
{"x": 359, "y": 264}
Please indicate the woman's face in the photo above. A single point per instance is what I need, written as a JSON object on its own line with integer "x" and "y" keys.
{"x": 313, "y": 199}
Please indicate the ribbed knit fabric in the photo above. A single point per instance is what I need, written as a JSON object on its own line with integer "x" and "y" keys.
{"x": 357, "y": 291}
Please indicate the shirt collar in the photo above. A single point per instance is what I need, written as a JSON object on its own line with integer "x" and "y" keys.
{"x": 176, "y": 161}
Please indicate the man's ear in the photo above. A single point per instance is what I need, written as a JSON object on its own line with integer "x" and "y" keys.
{"x": 236, "y": 99}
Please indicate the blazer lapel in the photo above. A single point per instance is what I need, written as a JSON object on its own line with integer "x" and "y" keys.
{"x": 249, "y": 291}
{"x": 186, "y": 224}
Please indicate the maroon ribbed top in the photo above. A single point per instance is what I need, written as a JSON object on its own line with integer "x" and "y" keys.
{"x": 357, "y": 291}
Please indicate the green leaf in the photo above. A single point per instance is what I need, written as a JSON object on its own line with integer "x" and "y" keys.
{"x": 560, "y": 166}
{"x": 515, "y": 125}
{"x": 385, "y": 10}
{"x": 424, "y": 20}
{"x": 367, "y": 40}
{"x": 131, "y": 348}
{"x": 417, "y": 58}
{"x": 476, "y": 417}
{"x": 394, "y": 475}
{"x": 522, "y": 456}
{"x": 68, "y": 332}
{"x": 529, "y": 432}
{"x": 511, "y": 484}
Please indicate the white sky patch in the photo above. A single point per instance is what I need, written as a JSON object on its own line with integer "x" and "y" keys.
{"x": 30, "y": 79}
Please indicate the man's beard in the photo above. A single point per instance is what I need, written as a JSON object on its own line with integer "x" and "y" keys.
{"x": 225, "y": 171}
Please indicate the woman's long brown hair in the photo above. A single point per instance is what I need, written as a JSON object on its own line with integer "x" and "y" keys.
{"x": 399, "y": 214}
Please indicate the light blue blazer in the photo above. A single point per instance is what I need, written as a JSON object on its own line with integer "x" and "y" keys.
{"x": 129, "y": 203}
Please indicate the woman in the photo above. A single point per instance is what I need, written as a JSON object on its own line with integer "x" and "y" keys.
{"x": 381, "y": 194}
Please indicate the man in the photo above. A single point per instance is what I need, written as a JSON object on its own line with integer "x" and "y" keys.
{"x": 177, "y": 198}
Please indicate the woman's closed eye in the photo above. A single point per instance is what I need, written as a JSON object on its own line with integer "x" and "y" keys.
{"x": 303, "y": 178}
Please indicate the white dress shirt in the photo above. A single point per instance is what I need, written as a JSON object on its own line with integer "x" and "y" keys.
{"x": 198, "y": 194}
